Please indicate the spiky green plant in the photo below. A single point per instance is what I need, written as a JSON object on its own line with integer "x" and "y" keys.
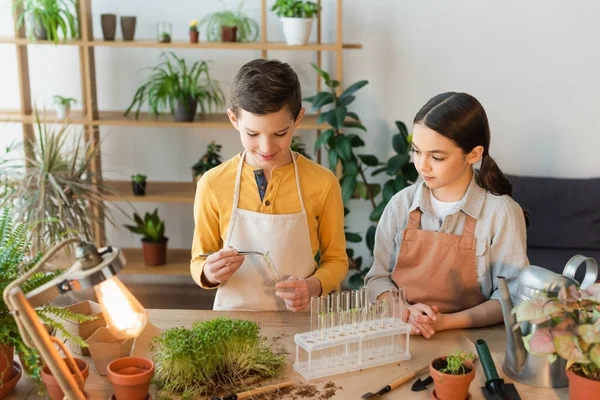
{"x": 54, "y": 15}
{"x": 16, "y": 258}
{"x": 151, "y": 227}
{"x": 212, "y": 357}
{"x": 55, "y": 186}
{"x": 247, "y": 28}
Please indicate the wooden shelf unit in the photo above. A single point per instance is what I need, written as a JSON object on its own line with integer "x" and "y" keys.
{"x": 91, "y": 118}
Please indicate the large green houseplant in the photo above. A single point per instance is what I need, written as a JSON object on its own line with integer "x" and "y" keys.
{"x": 55, "y": 185}
{"x": 16, "y": 257}
{"x": 48, "y": 19}
{"x": 340, "y": 143}
{"x": 180, "y": 88}
{"x": 230, "y": 26}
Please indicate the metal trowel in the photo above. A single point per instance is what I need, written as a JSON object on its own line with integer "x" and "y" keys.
{"x": 494, "y": 388}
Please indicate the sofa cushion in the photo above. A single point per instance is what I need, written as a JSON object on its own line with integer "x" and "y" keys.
{"x": 563, "y": 213}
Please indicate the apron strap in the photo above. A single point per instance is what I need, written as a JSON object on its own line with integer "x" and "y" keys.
{"x": 414, "y": 219}
{"x": 298, "y": 181}
{"x": 236, "y": 193}
{"x": 469, "y": 228}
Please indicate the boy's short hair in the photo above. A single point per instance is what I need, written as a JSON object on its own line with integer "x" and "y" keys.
{"x": 266, "y": 86}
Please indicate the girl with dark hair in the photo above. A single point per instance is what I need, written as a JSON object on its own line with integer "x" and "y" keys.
{"x": 447, "y": 239}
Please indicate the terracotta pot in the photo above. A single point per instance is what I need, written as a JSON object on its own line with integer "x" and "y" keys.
{"x": 54, "y": 390}
{"x": 451, "y": 387}
{"x": 105, "y": 348}
{"x": 12, "y": 378}
{"x": 139, "y": 189}
{"x": 7, "y": 353}
{"x": 109, "y": 26}
{"x": 130, "y": 377}
{"x": 155, "y": 253}
{"x": 128, "y": 27}
{"x": 194, "y": 35}
{"x": 229, "y": 33}
{"x": 580, "y": 387}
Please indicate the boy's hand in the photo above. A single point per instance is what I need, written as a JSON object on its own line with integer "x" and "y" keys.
{"x": 298, "y": 293}
{"x": 424, "y": 319}
{"x": 221, "y": 265}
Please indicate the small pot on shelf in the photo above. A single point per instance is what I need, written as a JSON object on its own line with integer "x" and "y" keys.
{"x": 155, "y": 253}
{"x": 109, "y": 26}
{"x": 229, "y": 33}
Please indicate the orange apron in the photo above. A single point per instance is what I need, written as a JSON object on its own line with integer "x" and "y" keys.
{"x": 438, "y": 268}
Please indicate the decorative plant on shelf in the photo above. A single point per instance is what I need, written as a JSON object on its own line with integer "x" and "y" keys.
{"x": 299, "y": 147}
{"x": 138, "y": 184}
{"x": 212, "y": 357}
{"x": 567, "y": 327}
{"x": 230, "y": 26}
{"x": 208, "y": 161}
{"x": 55, "y": 186}
{"x": 297, "y": 18}
{"x": 17, "y": 257}
{"x": 194, "y": 34}
{"x": 340, "y": 147}
{"x": 48, "y": 19}
{"x": 63, "y": 106}
{"x": 175, "y": 86}
{"x": 154, "y": 241}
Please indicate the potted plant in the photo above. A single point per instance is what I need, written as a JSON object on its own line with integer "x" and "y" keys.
{"x": 16, "y": 257}
{"x": 154, "y": 242}
{"x": 568, "y": 326}
{"x": 297, "y": 18}
{"x": 48, "y": 19}
{"x": 194, "y": 34}
{"x": 230, "y": 26}
{"x": 190, "y": 361}
{"x": 164, "y": 32}
{"x": 54, "y": 390}
{"x": 208, "y": 161}
{"x": 452, "y": 375}
{"x": 55, "y": 187}
{"x": 178, "y": 87}
{"x": 138, "y": 184}
{"x": 63, "y": 106}
{"x": 130, "y": 377}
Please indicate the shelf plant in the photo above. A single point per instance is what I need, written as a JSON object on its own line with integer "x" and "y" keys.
{"x": 297, "y": 19}
{"x": 568, "y": 326}
{"x": 138, "y": 184}
{"x": 48, "y": 19}
{"x": 194, "y": 34}
{"x": 230, "y": 26}
{"x": 212, "y": 357}
{"x": 17, "y": 256}
{"x": 154, "y": 241}
{"x": 180, "y": 88}
{"x": 63, "y": 106}
{"x": 208, "y": 161}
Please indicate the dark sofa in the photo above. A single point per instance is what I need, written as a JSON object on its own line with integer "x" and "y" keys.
{"x": 564, "y": 219}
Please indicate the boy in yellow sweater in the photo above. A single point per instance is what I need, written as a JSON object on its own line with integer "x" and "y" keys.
{"x": 270, "y": 200}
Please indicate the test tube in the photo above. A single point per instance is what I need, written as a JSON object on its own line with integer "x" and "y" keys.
{"x": 315, "y": 303}
{"x": 364, "y": 309}
{"x": 323, "y": 312}
{"x": 345, "y": 313}
{"x": 355, "y": 310}
{"x": 334, "y": 313}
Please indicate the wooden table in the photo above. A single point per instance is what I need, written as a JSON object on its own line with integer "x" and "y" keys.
{"x": 282, "y": 326}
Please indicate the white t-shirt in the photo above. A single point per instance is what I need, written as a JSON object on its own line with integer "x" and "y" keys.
{"x": 442, "y": 208}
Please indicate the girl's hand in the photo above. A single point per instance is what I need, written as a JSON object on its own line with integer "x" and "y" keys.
{"x": 221, "y": 265}
{"x": 423, "y": 318}
{"x": 296, "y": 293}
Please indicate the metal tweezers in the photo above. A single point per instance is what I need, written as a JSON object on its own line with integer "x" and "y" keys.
{"x": 244, "y": 253}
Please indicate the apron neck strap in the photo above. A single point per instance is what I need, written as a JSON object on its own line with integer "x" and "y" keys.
{"x": 236, "y": 194}
{"x": 414, "y": 221}
{"x": 469, "y": 228}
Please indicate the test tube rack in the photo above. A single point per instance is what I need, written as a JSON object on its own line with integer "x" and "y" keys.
{"x": 351, "y": 347}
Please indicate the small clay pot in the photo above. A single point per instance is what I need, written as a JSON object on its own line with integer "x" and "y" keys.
{"x": 10, "y": 380}
{"x": 7, "y": 353}
{"x": 229, "y": 33}
{"x": 194, "y": 35}
{"x": 448, "y": 386}
{"x": 581, "y": 388}
{"x": 128, "y": 27}
{"x": 130, "y": 377}
{"x": 54, "y": 390}
{"x": 155, "y": 253}
{"x": 109, "y": 26}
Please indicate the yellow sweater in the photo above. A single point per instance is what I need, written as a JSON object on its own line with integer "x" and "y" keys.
{"x": 322, "y": 199}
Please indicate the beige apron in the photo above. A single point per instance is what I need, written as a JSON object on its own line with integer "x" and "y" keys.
{"x": 287, "y": 239}
{"x": 439, "y": 268}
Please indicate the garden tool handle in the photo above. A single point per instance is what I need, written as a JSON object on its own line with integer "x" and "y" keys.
{"x": 264, "y": 389}
{"x": 408, "y": 377}
{"x": 487, "y": 362}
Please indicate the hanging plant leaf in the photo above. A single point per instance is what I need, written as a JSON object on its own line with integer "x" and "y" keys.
{"x": 369, "y": 159}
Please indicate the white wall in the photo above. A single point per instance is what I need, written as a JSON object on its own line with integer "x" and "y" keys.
{"x": 534, "y": 65}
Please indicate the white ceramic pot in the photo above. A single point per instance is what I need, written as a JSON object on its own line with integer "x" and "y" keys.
{"x": 296, "y": 30}
{"x": 62, "y": 111}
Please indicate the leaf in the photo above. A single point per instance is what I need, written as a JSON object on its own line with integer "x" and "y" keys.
{"x": 322, "y": 99}
{"x": 336, "y": 117}
{"x": 410, "y": 172}
{"x": 399, "y": 144}
{"x": 370, "y": 238}
{"x": 345, "y": 101}
{"x": 333, "y": 83}
{"x": 403, "y": 131}
{"x": 376, "y": 213}
{"x": 353, "y": 237}
{"x": 389, "y": 189}
{"x": 322, "y": 73}
{"x": 323, "y": 138}
{"x": 569, "y": 298}
{"x": 589, "y": 333}
{"x": 567, "y": 347}
{"x": 594, "y": 354}
{"x": 356, "y": 140}
{"x": 350, "y": 168}
{"x": 348, "y": 184}
{"x": 356, "y": 281}
{"x": 324, "y": 117}
{"x": 395, "y": 163}
{"x": 344, "y": 147}
{"x": 539, "y": 308}
{"x": 592, "y": 293}
{"x": 540, "y": 342}
{"x": 353, "y": 88}
{"x": 333, "y": 159}
{"x": 361, "y": 189}
{"x": 353, "y": 115}
{"x": 379, "y": 171}
{"x": 356, "y": 125}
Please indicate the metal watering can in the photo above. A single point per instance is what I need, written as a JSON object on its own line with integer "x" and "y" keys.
{"x": 518, "y": 363}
